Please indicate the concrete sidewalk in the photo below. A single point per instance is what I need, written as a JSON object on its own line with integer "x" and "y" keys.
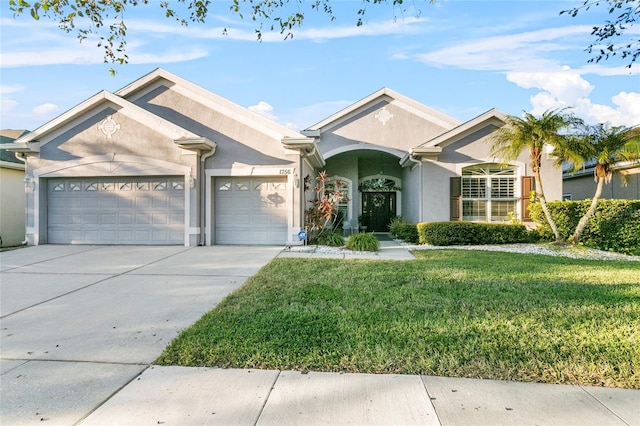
{"x": 389, "y": 250}
{"x": 183, "y": 395}
{"x": 81, "y": 325}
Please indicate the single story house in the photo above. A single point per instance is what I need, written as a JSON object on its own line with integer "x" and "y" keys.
{"x": 581, "y": 185}
{"x": 164, "y": 161}
{"x": 12, "y": 195}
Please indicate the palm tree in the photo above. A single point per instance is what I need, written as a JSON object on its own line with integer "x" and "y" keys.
{"x": 606, "y": 146}
{"x": 533, "y": 133}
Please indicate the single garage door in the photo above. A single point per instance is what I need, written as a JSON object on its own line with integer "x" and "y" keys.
{"x": 129, "y": 210}
{"x": 251, "y": 211}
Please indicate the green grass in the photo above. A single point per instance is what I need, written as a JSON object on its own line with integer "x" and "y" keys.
{"x": 449, "y": 313}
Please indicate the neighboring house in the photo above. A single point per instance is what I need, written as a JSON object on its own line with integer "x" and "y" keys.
{"x": 581, "y": 185}
{"x": 12, "y": 194}
{"x": 163, "y": 161}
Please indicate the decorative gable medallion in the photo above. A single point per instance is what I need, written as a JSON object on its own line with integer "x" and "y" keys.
{"x": 109, "y": 127}
{"x": 383, "y": 116}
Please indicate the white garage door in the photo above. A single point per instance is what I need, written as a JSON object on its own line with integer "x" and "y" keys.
{"x": 128, "y": 210}
{"x": 251, "y": 211}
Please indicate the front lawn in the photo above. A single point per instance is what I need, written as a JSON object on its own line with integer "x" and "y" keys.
{"x": 451, "y": 313}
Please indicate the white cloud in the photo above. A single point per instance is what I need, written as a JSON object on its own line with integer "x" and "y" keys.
{"x": 167, "y": 57}
{"x": 10, "y": 89}
{"x": 243, "y": 32}
{"x": 527, "y": 51}
{"x": 264, "y": 109}
{"x": 566, "y": 85}
{"x": 46, "y": 109}
{"x": 568, "y": 88}
{"x": 8, "y": 104}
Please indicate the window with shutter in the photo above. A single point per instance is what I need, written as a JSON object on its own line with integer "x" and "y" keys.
{"x": 489, "y": 193}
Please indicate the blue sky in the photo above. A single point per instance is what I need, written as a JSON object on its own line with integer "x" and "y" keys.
{"x": 460, "y": 57}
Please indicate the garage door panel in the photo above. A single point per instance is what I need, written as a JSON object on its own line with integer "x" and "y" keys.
{"x": 250, "y": 211}
{"x": 115, "y": 211}
{"x": 92, "y": 203}
{"x": 160, "y": 219}
{"x": 91, "y": 219}
{"x": 143, "y": 219}
{"x": 142, "y": 201}
{"x": 125, "y": 218}
{"x": 176, "y": 202}
{"x": 124, "y": 202}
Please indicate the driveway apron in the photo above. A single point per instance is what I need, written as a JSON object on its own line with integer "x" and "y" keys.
{"x": 80, "y": 322}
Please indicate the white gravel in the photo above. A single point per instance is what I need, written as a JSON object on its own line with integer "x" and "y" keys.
{"x": 548, "y": 249}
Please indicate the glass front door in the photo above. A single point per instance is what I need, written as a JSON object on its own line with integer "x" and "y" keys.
{"x": 378, "y": 208}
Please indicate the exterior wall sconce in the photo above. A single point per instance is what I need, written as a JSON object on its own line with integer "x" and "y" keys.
{"x": 296, "y": 180}
{"x": 192, "y": 181}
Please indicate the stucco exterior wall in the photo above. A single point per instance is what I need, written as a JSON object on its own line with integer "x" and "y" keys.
{"x": 412, "y": 193}
{"x": 346, "y": 166}
{"x": 584, "y": 187}
{"x": 401, "y": 132}
{"x": 471, "y": 149}
{"x": 63, "y": 155}
{"x": 435, "y": 190}
{"x": 239, "y": 145}
{"x": 12, "y": 206}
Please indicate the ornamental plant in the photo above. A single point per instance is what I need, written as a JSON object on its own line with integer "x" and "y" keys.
{"x": 323, "y": 215}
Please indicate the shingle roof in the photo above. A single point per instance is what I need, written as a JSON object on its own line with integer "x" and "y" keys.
{"x": 8, "y": 136}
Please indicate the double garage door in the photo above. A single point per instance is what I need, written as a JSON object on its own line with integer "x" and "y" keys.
{"x": 124, "y": 210}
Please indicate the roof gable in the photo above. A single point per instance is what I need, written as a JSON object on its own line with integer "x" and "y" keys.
{"x": 386, "y": 95}
{"x": 161, "y": 77}
{"x": 491, "y": 117}
{"x": 98, "y": 102}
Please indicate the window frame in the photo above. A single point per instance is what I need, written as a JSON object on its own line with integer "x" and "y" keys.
{"x": 482, "y": 186}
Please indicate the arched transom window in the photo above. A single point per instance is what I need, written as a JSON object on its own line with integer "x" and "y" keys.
{"x": 489, "y": 193}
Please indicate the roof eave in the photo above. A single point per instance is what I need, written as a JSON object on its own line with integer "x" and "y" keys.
{"x": 307, "y": 148}
{"x": 199, "y": 145}
{"x": 24, "y": 148}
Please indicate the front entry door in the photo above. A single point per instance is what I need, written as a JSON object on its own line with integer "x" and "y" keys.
{"x": 378, "y": 208}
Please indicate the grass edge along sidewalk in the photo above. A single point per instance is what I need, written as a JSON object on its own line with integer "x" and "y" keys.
{"x": 449, "y": 313}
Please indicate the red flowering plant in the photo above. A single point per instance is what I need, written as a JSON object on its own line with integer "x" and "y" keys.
{"x": 324, "y": 216}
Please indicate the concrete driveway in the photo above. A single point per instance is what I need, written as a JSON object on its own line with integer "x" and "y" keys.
{"x": 80, "y": 322}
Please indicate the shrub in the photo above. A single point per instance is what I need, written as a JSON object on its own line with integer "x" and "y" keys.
{"x": 332, "y": 239}
{"x": 363, "y": 242}
{"x": 615, "y": 226}
{"x": 471, "y": 233}
{"x": 404, "y": 230}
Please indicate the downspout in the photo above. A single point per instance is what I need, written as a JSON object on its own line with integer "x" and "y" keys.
{"x": 202, "y": 196}
{"x": 419, "y": 164}
{"x": 26, "y": 197}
